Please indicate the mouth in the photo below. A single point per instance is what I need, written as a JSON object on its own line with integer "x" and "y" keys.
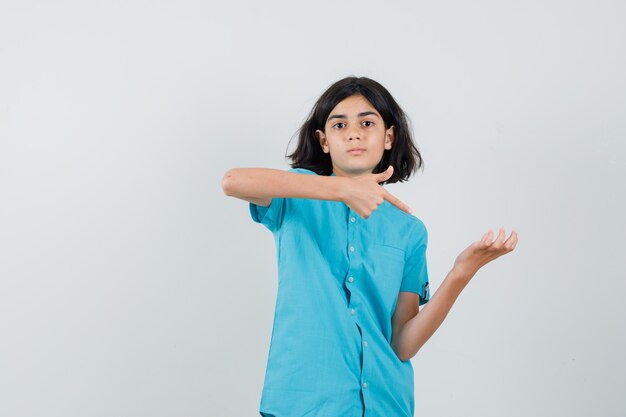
{"x": 356, "y": 151}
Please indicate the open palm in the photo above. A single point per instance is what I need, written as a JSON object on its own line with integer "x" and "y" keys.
{"x": 480, "y": 253}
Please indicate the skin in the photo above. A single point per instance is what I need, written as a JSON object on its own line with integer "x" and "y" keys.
{"x": 355, "y": 123}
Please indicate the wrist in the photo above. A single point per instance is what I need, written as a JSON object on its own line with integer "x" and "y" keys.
{"x": 338, "y": 188}
{"x": 462, "y": 275}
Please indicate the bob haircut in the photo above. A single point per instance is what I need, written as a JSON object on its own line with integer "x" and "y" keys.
{"x": 403, "y": 155}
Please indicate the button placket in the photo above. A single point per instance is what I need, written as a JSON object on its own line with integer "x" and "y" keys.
{"x": 353, "y": 308}
{"x": 365, "y": 351}
{"x": 354, "y": 253}
{"x": 352, "y": 249}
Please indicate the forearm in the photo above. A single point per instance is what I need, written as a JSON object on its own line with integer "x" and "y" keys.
{"x": 416, "y": 331}
{"x": 270, "y": 183}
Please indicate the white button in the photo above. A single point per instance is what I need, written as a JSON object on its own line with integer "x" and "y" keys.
{"x": 351, "y": 248}
{"x": 353, "y": 312}
{"x": 364, "y": 343}
{"x": 350, "y": 279}
{"x": 365, "y": 385}
{"x": 352, "y": 219}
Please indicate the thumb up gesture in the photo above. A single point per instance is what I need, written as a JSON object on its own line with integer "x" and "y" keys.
{"x": 364, "y": 194}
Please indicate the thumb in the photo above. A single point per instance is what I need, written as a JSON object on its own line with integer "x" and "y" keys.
{"x": 385, "y": 175}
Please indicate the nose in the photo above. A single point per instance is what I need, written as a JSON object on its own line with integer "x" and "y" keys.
{"x": 353, "y": 133}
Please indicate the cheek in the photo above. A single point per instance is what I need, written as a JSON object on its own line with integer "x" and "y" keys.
{"x": 333, "y": 142}
{"x": 380, "y": 146}
{"x": 332, "y": 148}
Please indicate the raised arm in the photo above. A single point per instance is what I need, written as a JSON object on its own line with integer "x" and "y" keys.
{"x": 259, "y": 185}
{"x": 410, "y": 333}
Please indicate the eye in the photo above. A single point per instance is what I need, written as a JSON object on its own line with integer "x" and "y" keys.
{"x": 339, "y": 125}
{"x": 368, "y": 123}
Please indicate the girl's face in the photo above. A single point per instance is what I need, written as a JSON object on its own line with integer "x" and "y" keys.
{"x": 355, "y": 136}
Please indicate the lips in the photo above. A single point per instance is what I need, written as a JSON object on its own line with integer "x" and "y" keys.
{"x": 356, "y": 151}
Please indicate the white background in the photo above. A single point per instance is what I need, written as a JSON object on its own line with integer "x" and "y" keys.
{"x": 131, "y": 286}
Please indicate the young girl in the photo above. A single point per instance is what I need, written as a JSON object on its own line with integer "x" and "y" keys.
{"x": 351, "y": 261}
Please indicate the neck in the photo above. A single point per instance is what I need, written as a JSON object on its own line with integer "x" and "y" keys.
{"x": 340, "y": 173}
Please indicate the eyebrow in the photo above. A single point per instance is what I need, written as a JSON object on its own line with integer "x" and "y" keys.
{"x": 343, "y": 116}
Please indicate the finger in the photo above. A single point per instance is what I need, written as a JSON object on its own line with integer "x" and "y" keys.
{"x": 510, "y": 238}
{"x": 488, "y": 237}
{"x": 511, "y": 241}
{"x": 393, "y": 200}
{"x": 514, "y": 243}
{"x": 500, "y": 238}
{"x": 385, "y": 175}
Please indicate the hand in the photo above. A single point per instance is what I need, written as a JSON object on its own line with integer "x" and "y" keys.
{"x": 480, "y": 253}
{"x": 364, "y": 194}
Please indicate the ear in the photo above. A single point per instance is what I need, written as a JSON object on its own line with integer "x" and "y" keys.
{"x": 321, "y": 136}
{"x": 390, "y": 137}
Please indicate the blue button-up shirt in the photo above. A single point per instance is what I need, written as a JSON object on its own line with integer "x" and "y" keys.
{"x": 339, "y": 277}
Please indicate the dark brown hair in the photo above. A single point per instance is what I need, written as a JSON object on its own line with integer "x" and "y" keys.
{"x": 403, "y": 155}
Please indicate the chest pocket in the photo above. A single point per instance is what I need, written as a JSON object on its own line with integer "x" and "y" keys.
{"x": 387, "y": 268}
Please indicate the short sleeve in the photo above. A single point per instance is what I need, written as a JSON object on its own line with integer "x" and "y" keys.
{"x": 415, "y": 278}
{"x": 274, "y": 215}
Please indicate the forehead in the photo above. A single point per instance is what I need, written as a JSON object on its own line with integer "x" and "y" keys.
{"x": 353, "y": 105}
